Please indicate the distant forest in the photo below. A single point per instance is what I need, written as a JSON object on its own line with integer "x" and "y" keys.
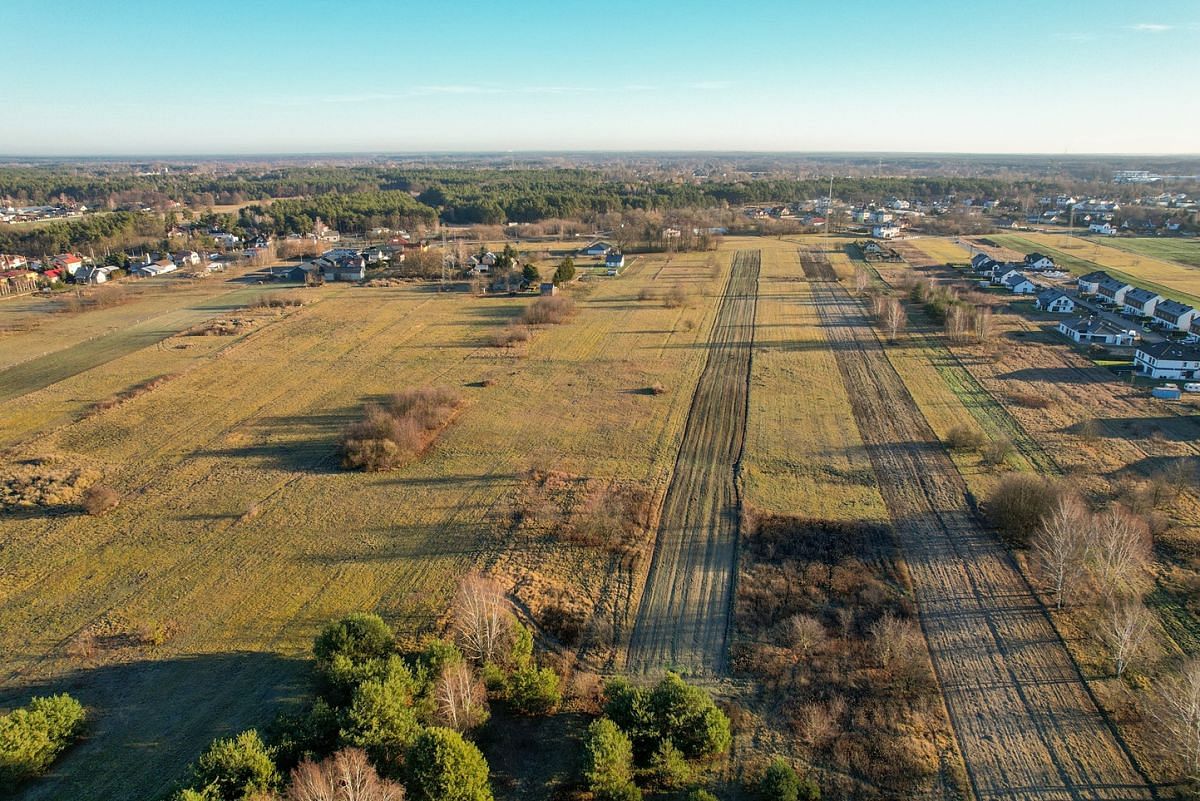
{"x": 357, "y": 198}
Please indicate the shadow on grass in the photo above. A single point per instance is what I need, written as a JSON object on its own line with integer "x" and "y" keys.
{"x": 148, "y": 720}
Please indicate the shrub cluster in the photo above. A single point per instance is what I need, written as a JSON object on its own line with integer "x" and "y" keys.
{"x": 393, "y": 432}
{"x": 47, "y": 482}
{"x": 1019, "y": 503}
{"x": 549, "y": 310}
{"x": 33, "y": 736}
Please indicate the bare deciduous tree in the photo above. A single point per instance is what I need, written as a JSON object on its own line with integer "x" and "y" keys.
{"x": 482, "y": 618}
{"x": 461, "y": 698}
{"x": 1060, "y": 546}
{"x": 1176, "y": 713}
{"x": 862, "y": 279}
{"x": 1119, "y": 552}
{"x": 892, "y": 637}
{"x": 894, "y": 317}
{"x": 803, "y": 633}
{"x": 1126, "y": 629}
{"x": 345, "y": 776}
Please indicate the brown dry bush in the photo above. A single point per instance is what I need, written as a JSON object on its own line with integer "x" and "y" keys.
{"x": 1029, "y": 400}
{"x": 964, "y": 438}
{"x": 508, "y": 336}
{"x": 550, "y": 310}
{"x": 392, "y": 433}
{"x": 221, "y": 327}
{"x": 135, "y": 391}
{"x": 100, "y": 498}
{"x": 47, "y": 482}
{"x": 996, "y": 452}
{"x": 276, "y": 301}
{"x": 1019, "y": 503}
{"x": 675, "y": 297}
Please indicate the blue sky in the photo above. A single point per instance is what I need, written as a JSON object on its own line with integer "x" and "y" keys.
{"x": 277, "y": 76}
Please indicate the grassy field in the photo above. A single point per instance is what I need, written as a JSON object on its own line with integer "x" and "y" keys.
{"x": 802, "y": 455}
{"x": 238, "y": 534}
{"x": 1081, "y": 255}
{"x": 1180, "y": 251}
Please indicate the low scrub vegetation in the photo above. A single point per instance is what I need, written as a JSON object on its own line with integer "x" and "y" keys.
{"x": 1019, "y": 503}
{"x": 611, "y": 516}
{"x": 549, "y": 310}
{"x": 33, "y": 736}
{"x": 964, "y": 438}
{"x": 510, "y": 335}
{"x": 276, "y": 301}
{"x": 47, "y": 482}
{"x": 221, "y": 327}
{"x": 393, "y": 432}
{"x": 132, "y": 393}
{"x": 824, "y": 626}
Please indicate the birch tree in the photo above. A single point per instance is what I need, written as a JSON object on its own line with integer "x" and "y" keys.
{"x": 461, "y": 698}
{"x": 1059, "y": 548}
{"x": 1126, "y": 630}
{"x": 1176, "y": 714}
{"x": 482, "y": 618}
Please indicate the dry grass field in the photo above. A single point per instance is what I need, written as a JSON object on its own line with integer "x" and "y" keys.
{"x": 237, "y": 535}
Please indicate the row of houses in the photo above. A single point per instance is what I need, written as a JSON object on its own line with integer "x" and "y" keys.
{"x": 1170, "y": 315}
{"x": 1012, "y": 275}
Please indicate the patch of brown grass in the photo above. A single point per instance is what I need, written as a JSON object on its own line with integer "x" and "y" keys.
{"x": 512, "y": 334}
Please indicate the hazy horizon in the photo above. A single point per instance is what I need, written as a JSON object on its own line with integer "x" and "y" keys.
{"x": 310, "y": 77}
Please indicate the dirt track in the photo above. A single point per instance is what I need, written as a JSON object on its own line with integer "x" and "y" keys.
{"x": 1026, "y": 722}
{"x": 683, "y": 620}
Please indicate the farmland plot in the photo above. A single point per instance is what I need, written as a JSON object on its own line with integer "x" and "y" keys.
{"x": 684, "y": 618}
{"x": 1025, "y": 720}
{"x": 237, "y": 536}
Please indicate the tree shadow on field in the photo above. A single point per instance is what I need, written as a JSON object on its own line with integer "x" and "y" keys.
{"x": 148, "y": 720}
{"x": 301, "y": 443}
{"x": 1182, "y": 428}
{"x": 1058, "y": 375}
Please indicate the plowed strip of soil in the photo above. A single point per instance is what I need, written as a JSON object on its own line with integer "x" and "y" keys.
{"x": 684, "y": 618}
{"x": 1026, "y": 722}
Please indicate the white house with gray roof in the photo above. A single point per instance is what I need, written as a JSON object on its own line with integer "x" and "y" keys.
{"x": 1141, "y": 302}
{"x": 1175, "y": 315}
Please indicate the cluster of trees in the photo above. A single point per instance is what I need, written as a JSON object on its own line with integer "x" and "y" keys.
{"x": 889, "y": 313}
{"x": 392, "y": 432}
{"x": 351, "y": 213}
{"x": 97, "y": 232}
{"x": 399, "y": 723}
{"x": 32, "y": 736}
{"x": 660, "y": 736}
{"x": 964, "y": 321}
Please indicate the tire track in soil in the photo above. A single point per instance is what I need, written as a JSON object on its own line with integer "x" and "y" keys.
{"x": 1027, "y": 724}
{"x": 684, "y": 616}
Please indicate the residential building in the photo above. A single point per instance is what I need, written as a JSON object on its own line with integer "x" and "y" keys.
{"x": 1089, "y": 284}
{"x": 1167, "y": 360}
{"x": 1175, "y": 315}
{"x": 1141, "y": 302}
{"x": 1104, "y": 229}
{"x": 67, "y": 262}
{"x": 1052, "y": 300}
{"x": 1095, "y": 330}
{"x": 1112, "y": 290}
{"x": 886, "y": 231}
{"x": 596, "y": 249}
{"x": 614, "y": 261}
{"x": 1018, "y": 284}
{"x": 1038, "y": 261}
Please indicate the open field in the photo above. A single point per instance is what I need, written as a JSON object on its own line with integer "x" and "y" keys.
{"x": 684, "y": 618}
{"x": 801, "y": 455}
{"x": 238, "y": 535}
{"x": 1025, "y": 720}
{"x": 1180, "y": 251}
{"x": 1081, "y": 255}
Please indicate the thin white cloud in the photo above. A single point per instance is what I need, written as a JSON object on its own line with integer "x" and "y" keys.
{"x": 479, "y": 89}
{"x": 708, "y": 86}
{"x": 1077, "y": 36}
{"x": 1151, "y": 27}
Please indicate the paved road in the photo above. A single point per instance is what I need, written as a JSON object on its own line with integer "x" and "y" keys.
{"x": 1025, "y": 721}
{"x": 684, "y": 618}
